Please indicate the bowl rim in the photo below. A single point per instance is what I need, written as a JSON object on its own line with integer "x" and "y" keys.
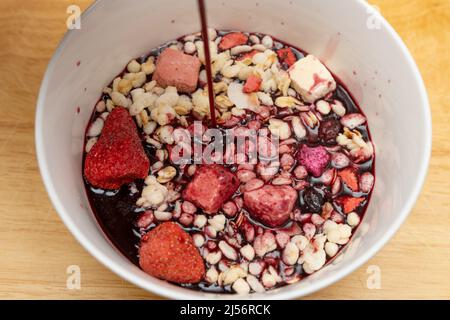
{"x": 174, "y": 292}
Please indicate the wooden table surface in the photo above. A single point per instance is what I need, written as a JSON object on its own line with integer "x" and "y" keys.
{"x": 36, "y": 248}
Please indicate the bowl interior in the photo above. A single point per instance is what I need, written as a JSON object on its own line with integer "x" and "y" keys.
{"x": 362, "y": 51}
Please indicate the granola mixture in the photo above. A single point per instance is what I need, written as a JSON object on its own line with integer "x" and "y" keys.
{"x": 241, "y": 228}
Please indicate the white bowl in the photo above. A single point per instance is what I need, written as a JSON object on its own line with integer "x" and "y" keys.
{"x": 357, "y": 44}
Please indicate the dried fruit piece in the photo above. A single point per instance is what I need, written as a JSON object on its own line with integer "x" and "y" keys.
{"x": 231, "y": 40}
{"x": 350, "y": 177}
{"x": 118, "y": 156}
{"x": 252, "y": 84}
{"x": 175, "y": 68}
{"x": 167, "y": 252}
{"x": 211, "y": 186}
{"x": 287, "y": 56}
{"x": 271, "y": 205}
{"x": 314, "y": 159}
{"x": 349, "y": 204}
{"x": 313, "y": 200}
{"x": 329, "y": 130}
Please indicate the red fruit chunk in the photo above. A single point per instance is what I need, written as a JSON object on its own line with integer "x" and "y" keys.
{"x": 118, "y": 157}
{"x": 272, "y": 205}
{"x": 252, "y": 84}
{"x": 349, "y": 204}
{"x": 314, "y": 159}
{"x": 247, "y": 55}
{"x": 168, "y": 252}
{"x": 232, "y": 40}
{"x": 350, "y": 178}
{"x": 286, "y": 55}
{"x": 175, "y": 68}
{"x": 211, "y": 186}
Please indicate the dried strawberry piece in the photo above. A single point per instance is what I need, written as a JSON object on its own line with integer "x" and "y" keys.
{"x": 286, "y": 55}
{"x": 211, "y": 186}
{"x": 348, "y": 203}
{"x": 252, "y": 84}
{"x": 118, "y": 156}
{"x": 350, "y": 177}
{"x": 233, "y": 39}
{"x": 314, "y": 159}
{"x": 168, "y": 252}
{"x": 272, "y": 205}
{"x": 247, "y": 55}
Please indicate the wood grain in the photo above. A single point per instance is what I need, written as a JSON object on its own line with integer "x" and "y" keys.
{"x": 36, "y": 248}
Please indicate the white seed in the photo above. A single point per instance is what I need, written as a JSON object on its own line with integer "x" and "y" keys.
{"x": 165, "y": 134}
{"x": 202, "y": 77}
{"x": 279, "y": 128}
{"x": 218, "y": 222}
{"x": 134, "y": 67}
{"x": 100, "y": 106}
{"x": 230, "y": 275}
{"x": 150, "y": 127}
{"x": 191, "y": 170}
{"x": 109, "y": 105}
{"x": 329, "y": 225}
{"x": 281, "y": 181}
{"x": 190, "y": 38}
{"x": 345, "y": 230}
{"x": 366, "y": 182}
{"x": 200, "y": 221}
{"x": 331, "y": 249}
{"x": 119, "y": 99}
{"x": 162, "y": 154}
{"x": 265, "y": 98}
{"x": 255, "y": 284}
{"x": 300, "y": 241}
{"x": 254, "y": 39}
{"x": 189, "y": 47}
{"x": 255, "y": 268}
{"x": 213, "y": 257}
{"x": 162, "y": 215}
{"x": 353, "y": 120}
{"x": 104, "y": 115}
{"x": 154, "y": 142}
{"x": 290, "y": 254}
{"x": 157, "y": 166}
{"x": 259, "y": 47}
{"x": 240, "y": 49}
{"x": 212, "y": 275}
{"x": 298, "y": 127}
{"x": 210, "y": 232}
{"x": 238, "y": 112}
{"x": 267, "y": 41}
{"x": 323, "y": 107}
{"x": 212, "y": 34}
{"x": 96, "y": 128}
{"x": 248, "y": 252}
{"x": 264, "y": 243}
{"x": 334, "y": 235}
{"x": 241, "y": 286}
{"x": 199, "y": 240}
{"x": 90, "y": 143}
{"x": 353, "y": 219}
{"x": 338, "y": 108}
{"x": 268, "y": 280}
{"x": 227, "y": 250}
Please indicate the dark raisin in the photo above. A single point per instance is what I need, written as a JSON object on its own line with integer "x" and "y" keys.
{"x": 329, "y": 130}
{"x": 312, "y": 200}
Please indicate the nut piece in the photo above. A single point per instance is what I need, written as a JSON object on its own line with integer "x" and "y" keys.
{"x": 166, "y": 174}
{"x": 311, "y": 79}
